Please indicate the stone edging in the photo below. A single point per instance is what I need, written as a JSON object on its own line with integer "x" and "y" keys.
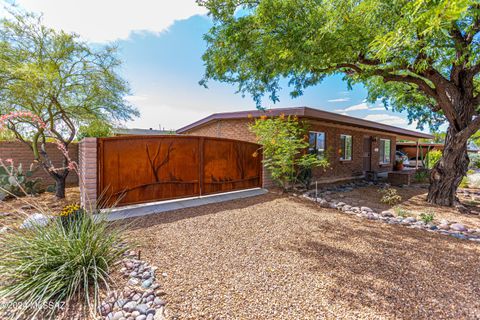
{"x": 445, "y": 227}
{"x": 140, "y": 297}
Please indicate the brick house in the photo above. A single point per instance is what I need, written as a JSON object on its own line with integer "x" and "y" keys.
{"x": 354, "y": 145}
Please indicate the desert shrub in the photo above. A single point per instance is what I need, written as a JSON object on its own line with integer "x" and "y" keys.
{"x": 390, "y": 196}
{"x": 58, "y": 263}
{"x": 284, "y": 150}
{"x": 421, "y": 176}
{"x": 16, "y": 181}
{"x": 427, "y": 217}
{"x": 432, "y": 158}
{"x": 400, "y": 212}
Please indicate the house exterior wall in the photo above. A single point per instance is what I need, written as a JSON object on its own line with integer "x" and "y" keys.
{"x": 21, "y": 153}
{"x": 238, "y": 129}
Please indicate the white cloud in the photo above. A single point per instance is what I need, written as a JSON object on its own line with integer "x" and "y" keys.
{"x": 387, "y": 119}
{"x": 377, "y": 109}
{"x": 339, "y": 100}
{"x": 109, "y": 20}
{"x": 357, "y": 107}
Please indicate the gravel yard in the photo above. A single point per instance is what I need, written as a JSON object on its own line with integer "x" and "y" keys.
{"x": 274, "y": 257}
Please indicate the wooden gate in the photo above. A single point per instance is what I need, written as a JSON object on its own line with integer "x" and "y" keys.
{"x": 136, "y": 169}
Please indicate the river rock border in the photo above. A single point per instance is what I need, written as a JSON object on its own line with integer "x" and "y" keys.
{"x": 140, "y": 298}
{"x": 327, "y": 197}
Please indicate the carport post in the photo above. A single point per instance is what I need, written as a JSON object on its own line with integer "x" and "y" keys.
{"x": 416, "y": 162}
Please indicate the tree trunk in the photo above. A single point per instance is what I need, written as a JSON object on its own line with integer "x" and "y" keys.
{"x": 447, "y": 174}
{"x": 60, "y": 186}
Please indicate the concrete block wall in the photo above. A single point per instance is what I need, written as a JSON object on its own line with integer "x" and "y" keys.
{"x": 88, "y": 172}
{"x": 21, "y": 153}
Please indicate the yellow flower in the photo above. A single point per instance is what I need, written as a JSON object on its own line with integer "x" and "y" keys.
{"x": 282, "y": 116}
{"x": 249, "y": 116}
{"x": 263, "y": 117}
{"x": 69, "y": 209}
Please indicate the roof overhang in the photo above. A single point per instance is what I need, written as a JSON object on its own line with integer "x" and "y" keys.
{"x": 305, "y": 112}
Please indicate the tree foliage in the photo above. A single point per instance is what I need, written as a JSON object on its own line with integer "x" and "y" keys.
{"x": 53, "y": 83}
{"x": 284, "y": 145}
{"x": 95, "y": 129}
{"x": 399, "y": 50}
{"x": 420, "y": 56}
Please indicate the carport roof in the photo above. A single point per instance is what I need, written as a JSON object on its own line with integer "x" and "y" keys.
{"x": 310, "y": 113}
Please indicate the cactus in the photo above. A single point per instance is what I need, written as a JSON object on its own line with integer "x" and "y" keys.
{"x": 17, "y": 181}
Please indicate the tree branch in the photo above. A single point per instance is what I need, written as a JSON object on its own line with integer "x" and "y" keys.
{"x": 473, "y": 127}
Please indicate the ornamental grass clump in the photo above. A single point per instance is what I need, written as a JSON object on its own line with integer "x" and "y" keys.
{"x": 46, "y": 268}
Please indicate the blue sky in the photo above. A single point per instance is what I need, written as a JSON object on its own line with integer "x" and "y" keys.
{"x": 161, "y": 45}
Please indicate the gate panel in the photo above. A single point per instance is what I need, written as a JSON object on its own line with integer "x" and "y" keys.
{"x": 142, "y": 169}
{"x": 136, "y": 169}
{"x": 230, "y": 165}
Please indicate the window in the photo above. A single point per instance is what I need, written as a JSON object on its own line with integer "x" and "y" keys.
{"x": 345, "y": 147}
{"x": 385, "y": 151}
{"x": 317, "y": 143}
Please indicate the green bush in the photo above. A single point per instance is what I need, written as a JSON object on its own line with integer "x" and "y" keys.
{"x": 427, "y": 217}
{"x": 56, "y": 264}
{"x": 15, "y": 181}
{"x": 432, "y": 158}
{"x": 421, "y": 176}
{"x": 400, "y": 212}
{"x": 390, "y": 196}
{"x": 284, "y": 145}
{"x": 96, "y": 129}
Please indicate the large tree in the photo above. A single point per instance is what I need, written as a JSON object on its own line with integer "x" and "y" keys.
{"x": 50, "y": 84}
{"x": 421, "y": 56}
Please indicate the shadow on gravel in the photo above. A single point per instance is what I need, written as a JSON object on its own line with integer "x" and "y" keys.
{"x": 410, "y": 274}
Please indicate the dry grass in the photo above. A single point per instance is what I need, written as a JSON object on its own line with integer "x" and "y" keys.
{"x": 414, "y": 200}
{"x": 18, "y": 209}
{"x": 272, "y": 257}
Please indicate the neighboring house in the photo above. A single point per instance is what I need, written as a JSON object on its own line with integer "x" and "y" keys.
{"x": 354, "y": 146}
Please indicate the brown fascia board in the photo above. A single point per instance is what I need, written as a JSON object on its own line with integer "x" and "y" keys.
{"x": 305, "y": 112}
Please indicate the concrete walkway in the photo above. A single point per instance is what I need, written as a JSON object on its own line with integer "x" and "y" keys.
{"x": 144, "y": 209}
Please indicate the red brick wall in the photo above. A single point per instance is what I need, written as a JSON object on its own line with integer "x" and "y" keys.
{"x": 238, "y": 129}
{"x": 20, "y": 153}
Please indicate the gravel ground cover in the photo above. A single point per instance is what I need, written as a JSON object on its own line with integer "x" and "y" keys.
{"x": 276, "y": 257}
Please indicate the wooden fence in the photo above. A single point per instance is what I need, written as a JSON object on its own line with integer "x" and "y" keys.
{"x": 136, "y": 169}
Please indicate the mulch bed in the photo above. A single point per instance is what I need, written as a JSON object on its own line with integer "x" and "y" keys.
{"x": 278, "y": 257}
{"x": 14, "y": 210}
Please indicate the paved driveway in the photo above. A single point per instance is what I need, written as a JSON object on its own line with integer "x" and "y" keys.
{"x": 273, "y": 257}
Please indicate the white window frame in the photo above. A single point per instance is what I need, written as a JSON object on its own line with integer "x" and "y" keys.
{"x": 314, "y": 149}
{"x": 343, "y": 147}
{"x": 386, "y": 156}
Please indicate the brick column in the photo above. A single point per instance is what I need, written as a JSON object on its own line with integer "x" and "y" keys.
{"x": 267, "y": 181}
{"x": 88, "y": 172}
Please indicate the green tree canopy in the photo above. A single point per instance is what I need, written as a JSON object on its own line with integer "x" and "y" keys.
{"x": 421, "y": 56}
{"x": 51, "y": 83}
